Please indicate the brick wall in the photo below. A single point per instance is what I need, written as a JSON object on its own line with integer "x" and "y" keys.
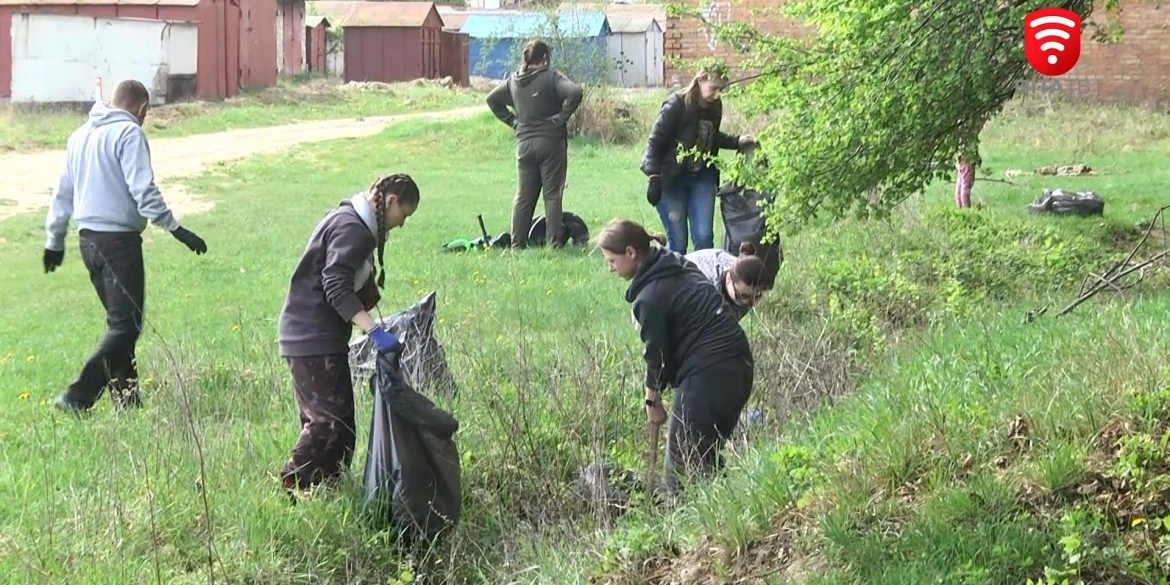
{"x": 1135, "y": 70}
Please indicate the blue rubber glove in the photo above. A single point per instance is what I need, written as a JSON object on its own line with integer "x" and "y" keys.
{"x": 384, "y": 341}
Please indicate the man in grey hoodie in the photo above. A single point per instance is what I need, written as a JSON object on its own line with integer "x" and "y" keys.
{"x": 543, "y": 101}
{"x": 107, "y": 186}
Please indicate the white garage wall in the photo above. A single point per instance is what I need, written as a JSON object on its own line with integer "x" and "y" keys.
{"x": 55, "y": 58}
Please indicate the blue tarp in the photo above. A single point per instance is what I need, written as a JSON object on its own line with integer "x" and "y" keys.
{"x": 497, "y": 42}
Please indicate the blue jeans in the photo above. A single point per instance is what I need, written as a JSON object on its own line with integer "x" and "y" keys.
{"x": 689, "y": 198}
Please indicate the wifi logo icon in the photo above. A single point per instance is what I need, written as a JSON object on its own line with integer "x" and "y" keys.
{"x": 1052, "y": 40}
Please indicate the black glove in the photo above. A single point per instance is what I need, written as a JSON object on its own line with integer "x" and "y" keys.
{"x": 654, "y": 191}
{"x": 192, "y": 241}
{"x": 53, "y": 259}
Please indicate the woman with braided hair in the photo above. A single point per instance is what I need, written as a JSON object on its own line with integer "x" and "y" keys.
{"x": 332, "y": 289}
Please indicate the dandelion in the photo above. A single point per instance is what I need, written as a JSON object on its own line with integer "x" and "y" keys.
{"x": 1137, "y": 521}
{"x": 44, "y": 402}
{"x": 235, "y": 327}
{"x": 442, "y": 320}
{"x": 24, "y": 395}
{"x": 548, "y": 292}
{"x": 31, "y": 358}
{"x": 147, "y": 380}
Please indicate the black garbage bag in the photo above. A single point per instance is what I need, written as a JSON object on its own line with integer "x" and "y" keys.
{"x": 743, "y": 221}
{"x": 1061, "y": 202}
{"x": 575, "y": 229}
{"x": 413, "y": 476}
{"x": 424, "y": 363}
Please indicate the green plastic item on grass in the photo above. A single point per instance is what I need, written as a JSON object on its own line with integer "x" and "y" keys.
{"x": 458, "y": 245}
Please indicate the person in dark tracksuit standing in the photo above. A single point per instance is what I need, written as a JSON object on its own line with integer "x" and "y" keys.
{"x": 107, "y": 186}
{"x": 543, "y": 101}
{"x": 332, "y": 289}
{"x": 692, "y": 342}
{"x": 684, "y": 190}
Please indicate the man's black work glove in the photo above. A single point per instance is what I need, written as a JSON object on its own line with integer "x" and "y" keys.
{"x": 53, "y": 259}
{"x": 192, "y": 241}
{"x": 654, "y": 191}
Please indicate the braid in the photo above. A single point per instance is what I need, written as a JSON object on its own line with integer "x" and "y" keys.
{"x": 397, "y": 184}
{"x": 380, "y": 214}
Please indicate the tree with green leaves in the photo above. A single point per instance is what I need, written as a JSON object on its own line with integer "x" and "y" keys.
{"x": 878, "y": 99}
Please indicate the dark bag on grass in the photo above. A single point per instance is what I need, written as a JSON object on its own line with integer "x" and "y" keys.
{"x": 424, "y": 363}
{"x": 575, "y": 229}
{"x": 744, "y": 222}
{"x": 1061, "y": 202}
{"x": 412, "y": 479}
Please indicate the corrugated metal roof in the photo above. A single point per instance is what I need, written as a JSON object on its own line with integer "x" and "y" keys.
{"x": 613, "y": 11}
{"x": 527, "y": 24}
{"x": 387, "y": 14}
{"x": 99, "y": 2}
{"x": 313, "y": 20}
{"x": 631, "y": 24}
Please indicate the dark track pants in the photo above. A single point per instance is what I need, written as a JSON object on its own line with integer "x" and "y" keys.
{"x": 324, "y": 393}
{"x": 704, "y": 413}
{"x": 541, "y": 165}
{"x": 114, "y": 262}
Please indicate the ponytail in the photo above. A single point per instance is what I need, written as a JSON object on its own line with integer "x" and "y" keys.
{"x": 535, "y": 53}
{"x": 619, "y": 234}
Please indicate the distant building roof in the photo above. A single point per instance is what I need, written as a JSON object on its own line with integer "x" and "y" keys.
{"x": 526, "y": 24}
{"x": 99, "y": 3}
{"x": 314, "y": 20}
{"x": 388, "y": 14}
{"x": 613, "y": 11}
{"x": 632, "y": 24}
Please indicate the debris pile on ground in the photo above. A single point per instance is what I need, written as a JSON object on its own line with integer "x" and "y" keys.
{"x": 1077, "y": 170}
{"x": 1061, "y": 202}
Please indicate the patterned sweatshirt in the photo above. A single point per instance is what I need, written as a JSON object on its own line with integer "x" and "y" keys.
{"x": 713, "y": 263}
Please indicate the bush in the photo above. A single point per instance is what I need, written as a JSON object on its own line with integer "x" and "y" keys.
{"x": 943, "y": 266}
{"x": 606, "y": 115}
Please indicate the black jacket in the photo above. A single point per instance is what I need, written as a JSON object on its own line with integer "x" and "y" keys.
{"x": 543, "y": 100}
{"x": 682, "y": 319}
{"x": 675, "y": 126}
{"x": 321, "y": 302}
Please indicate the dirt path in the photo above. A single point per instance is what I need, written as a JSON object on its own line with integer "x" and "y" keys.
{"x": 28, "y": 177}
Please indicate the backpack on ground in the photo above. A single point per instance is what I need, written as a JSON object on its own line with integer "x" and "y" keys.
{"x": 412, "y": 478}
{"x": 574, "y": 229}
{"x": 743, "y": 221}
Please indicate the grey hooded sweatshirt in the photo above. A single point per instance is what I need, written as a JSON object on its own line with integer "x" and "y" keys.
{"x": 106, "y": 182}
{"x": 543, "y": 101}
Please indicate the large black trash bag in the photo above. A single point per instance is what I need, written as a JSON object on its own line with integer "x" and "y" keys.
{"x": 413, "y": 476}
{"x": 1061, "y": 202}
{"x": 743, "y": 221}
{"x": 424, "y": 363}
{"x": 574, "y": 229}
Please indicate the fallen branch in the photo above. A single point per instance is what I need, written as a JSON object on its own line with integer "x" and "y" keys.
{"x": 1111, "y": 278}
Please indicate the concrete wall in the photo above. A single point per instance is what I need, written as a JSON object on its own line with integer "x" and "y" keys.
{"x": 55, "y": 58}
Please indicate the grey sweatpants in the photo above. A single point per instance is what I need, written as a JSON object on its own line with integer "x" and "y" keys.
{"x": 541, "y": 165}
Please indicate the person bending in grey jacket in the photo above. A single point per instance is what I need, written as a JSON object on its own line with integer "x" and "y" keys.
{"x": 107, "y": 186}
{"x": 543, "y": 101}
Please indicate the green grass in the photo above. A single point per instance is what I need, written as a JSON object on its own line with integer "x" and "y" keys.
{"x": 292, "y": 100}
{"x": 901, "y": 470}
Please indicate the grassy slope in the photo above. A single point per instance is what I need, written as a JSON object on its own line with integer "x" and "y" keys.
{"x": 291, "y": 101}
{"x": 542, "y": 347}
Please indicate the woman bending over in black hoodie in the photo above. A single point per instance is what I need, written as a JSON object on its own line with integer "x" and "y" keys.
{"x": 331, "y": 290}
{"x": 692, "y": 342}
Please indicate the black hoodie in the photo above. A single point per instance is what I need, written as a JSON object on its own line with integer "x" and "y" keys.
{"x": 684, "y": 323}
{"x": 543, "y": 100}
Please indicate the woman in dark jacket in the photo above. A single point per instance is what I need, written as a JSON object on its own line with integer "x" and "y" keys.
{"x": 692, "y": 342}
{"x": 332, "y": 289}
{"x": 543, "y": 101}
{"x": 685, "y": 189}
